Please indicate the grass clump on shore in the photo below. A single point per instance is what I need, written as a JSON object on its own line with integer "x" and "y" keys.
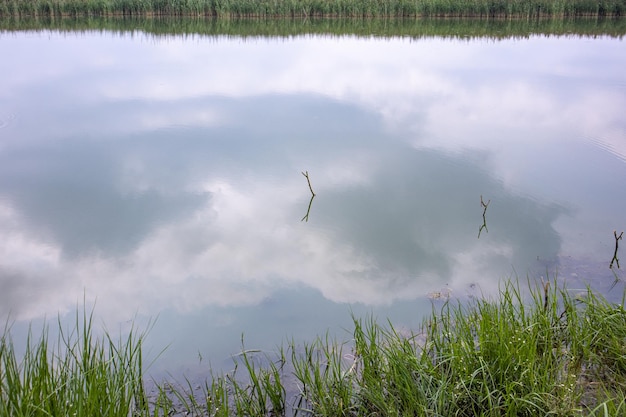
{"x": 79, "y": 375}
{"x": 524, "y": 353}
{"x": 556, "y": 354}
{"x": 314, "y": 8}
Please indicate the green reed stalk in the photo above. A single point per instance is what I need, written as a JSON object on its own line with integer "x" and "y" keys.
{"x": 263, "y": 393}
{"x": 77, "y": 376}
{"x": 326, "y": 378}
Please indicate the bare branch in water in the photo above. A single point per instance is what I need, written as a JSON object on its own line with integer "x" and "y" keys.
{"x": 484, "y": 225}
{"x": 617, "y": 239}
{"x": 306, "y": 175}
{"x": 306, "y": 216}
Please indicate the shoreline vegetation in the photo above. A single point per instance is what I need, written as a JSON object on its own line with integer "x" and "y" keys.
{"x": 452, "y": 28}
{"x": 315, "y": 8}
{"x": 537, "y": 351}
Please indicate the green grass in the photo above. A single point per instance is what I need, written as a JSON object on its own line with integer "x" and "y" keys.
{"x": 314, "y": 8}
{"x": 78, "y": 375}
{"x": 542, "y": 353}
{"x": 534, "y": 351}
{"x": 462, "y": 28}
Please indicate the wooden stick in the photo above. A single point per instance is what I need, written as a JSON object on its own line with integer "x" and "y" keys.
{"x": 617, "y": 239}
{"x": 306, "y": 216}
{"x": 484, "y": 226}
{"x": 306, "y": 175}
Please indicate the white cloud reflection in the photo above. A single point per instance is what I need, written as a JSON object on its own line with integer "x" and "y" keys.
{"x": 228, "y": 231}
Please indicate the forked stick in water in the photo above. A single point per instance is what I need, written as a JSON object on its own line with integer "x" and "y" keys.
{"x": 617, "y": 239}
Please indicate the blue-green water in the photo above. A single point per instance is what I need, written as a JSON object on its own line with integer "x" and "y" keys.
{"x": 162, "y": 177}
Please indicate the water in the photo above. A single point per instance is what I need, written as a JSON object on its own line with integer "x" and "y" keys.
{"x": 161, "y": 177}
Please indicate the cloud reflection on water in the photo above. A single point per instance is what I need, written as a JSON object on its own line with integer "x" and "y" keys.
{"x": 200, "y": 231}
{"x": 157, "y": 174}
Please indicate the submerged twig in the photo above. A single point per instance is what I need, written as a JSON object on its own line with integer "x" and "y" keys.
{"x": 306, "y": 216}
{"x": 617, "y": 239}
{"x": 546, "y": 293}
{"x": 306, "y": 175}
{"x": 484, "y": 225}
{"x": 615, "y": 281}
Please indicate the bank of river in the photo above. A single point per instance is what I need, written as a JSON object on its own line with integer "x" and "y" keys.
{"x": 315, "y": 8}
{"x": 452, "y": 28}
{"x": 560, "y": 353}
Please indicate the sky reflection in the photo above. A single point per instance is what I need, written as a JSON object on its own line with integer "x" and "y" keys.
{"x": 158, "y": 174}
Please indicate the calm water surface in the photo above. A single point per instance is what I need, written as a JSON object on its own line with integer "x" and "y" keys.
{"x": 162, "y": 176}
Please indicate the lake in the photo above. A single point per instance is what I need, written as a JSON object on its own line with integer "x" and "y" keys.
{"x": 162, "y": 177}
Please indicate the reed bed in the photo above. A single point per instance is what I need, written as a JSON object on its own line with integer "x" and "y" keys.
{"x": 78, "y": 375}
{"x": 314, "y": 8}
{"x": 536, "y": 351}
{"x": 556, "y": 354}
{"x": 461, "y": 28}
